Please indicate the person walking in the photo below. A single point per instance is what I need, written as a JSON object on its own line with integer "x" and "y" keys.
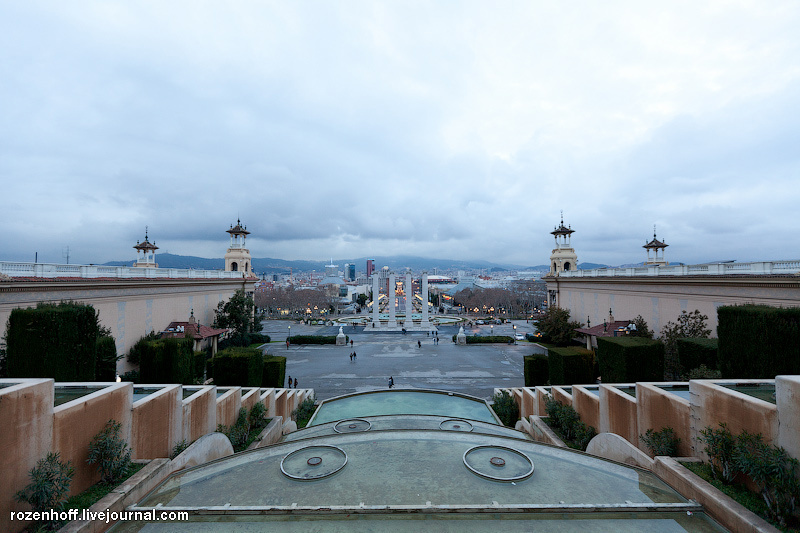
{"x": 419, "y": 344}
{"x": 354, "y": 355}
{"x": 290, "y": 382}
{"x": 295, "y": 383}
{"x": 391, "y": 382}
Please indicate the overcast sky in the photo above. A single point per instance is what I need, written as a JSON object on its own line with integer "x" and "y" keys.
{"x": 448, "y": 129}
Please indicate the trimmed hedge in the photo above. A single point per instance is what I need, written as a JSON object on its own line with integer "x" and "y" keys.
{"x": 695, "y": 352}
{"x": 570, "y": 365}
{"x": 758, "y": 341}
{"x": 630, "y": 359}
{"x": 243, "y": 367}
{"x": 274, "y": 373}
{"x": 242, "y": 339}
{"x": 536, "y": 371}
{"x": 56, "y": 341}
{"x": 167, "y": 361}
{"x": 315, "y": 339}
{"x": 106, "y": 359}
{"x": 486, "y": 339}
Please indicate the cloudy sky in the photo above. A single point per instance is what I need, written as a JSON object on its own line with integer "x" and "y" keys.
{"x": 449, "y": 129}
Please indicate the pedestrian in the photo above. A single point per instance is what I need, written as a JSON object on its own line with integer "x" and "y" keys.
{"x": 287, "y": 344}
{"x": 419, "y": 344}
{"x": 351, "y": 343}
{"x": 354, "y": 355}
{"x": 391, "y": 382}
{"x": 295, "y": 383}
{"x": 290, "y": 382}
{"x": 351, "y": 357}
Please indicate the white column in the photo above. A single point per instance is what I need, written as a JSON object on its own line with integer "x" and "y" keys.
{"x": 392, "y": 302}
{"x": 409, "y": 301}
{"x": 425, "y": 323}
{"x": 376, "y": 294}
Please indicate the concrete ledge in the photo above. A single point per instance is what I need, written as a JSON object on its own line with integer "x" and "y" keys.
{"x": 269, "y": 435}
{"x": 612, "y": 446}
{"x": 129, "y": 492}
{"x": 722, "y": 508}
{"x": 205, "y": 449}
{"x": 541, "y": 432}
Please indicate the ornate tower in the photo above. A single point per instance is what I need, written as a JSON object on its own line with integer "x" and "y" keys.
{"x": 145, "y": 253}
{"x": 563, "y": 257}
{"x": 237, "y": 258}
{"x": 655, "y": 246}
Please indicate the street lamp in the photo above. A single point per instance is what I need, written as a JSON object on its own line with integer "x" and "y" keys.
{"x": 289, "y": 337}
{"x": 515, "y": 334}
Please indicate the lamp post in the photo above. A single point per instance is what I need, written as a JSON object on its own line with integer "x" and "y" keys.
{"x": 515, "y": 334}
{"x": 289, "y": 337}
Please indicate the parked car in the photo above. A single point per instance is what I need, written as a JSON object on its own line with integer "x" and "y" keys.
{"x": 519, "y": 336}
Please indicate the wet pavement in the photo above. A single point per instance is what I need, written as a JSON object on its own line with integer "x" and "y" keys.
{"x": 473, "y": 369}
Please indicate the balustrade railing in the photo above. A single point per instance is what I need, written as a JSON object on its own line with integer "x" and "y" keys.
{"x": 53, "y": 270}
{"x": 715, "y": 269}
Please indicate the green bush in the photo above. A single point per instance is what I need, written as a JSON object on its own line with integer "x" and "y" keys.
{"x": 131, "y": 375}
{"x": 49, "y": 486}
{"x": 564, "y": 419}
{"x": 506, "y": 408}
{"x": 246, "y": 428}
{"x": 304, "y": 412}
{"x": 167, "y": 361}
{"x": 314, "y": 339}
{"x": 489, "y": 339}
{"x": 178, "y": 448}
{"x": 243, "y": 339}
{"x": 758, "y": 341}
{"x": 110, "y": 452}
{"x": 692, "y": 353}
{"x": 56, "y": 341}
{"x": 135, "y": 353}
{"x": 630, "y": 359}
{"x": 536, "y": 370}
{"x": 243, "y": 367}
{"x": 274, "y": 373}
{"x": 662, "y": 442}
{"x": 199, "y": 366}
{"x": 106, "y": 362}
{"x": 570, "y": 365}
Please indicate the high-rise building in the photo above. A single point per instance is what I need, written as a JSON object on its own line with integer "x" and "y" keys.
{"x": 370, "y": 267}
{"x": 350, "y": 272}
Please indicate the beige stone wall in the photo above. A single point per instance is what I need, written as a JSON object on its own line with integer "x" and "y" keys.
{"x": 250, "y": 397}
{"x": 587, "y": 405}
{"x": 76, "y": 423}
{"x": 787, "y": 396}
{"x": 618, "y": 413}
{"x": 157, "y": 423}
{"x": 26, "y": 414}
{"x": 200, "y": 414}
{"x": 661, "y": 299}
{"x": 131, "y": 308}
{"x": 228, "y": 406}
{"x": 660, "y": 409}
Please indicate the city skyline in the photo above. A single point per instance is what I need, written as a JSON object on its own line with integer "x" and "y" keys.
{"x": 366, "y": 129}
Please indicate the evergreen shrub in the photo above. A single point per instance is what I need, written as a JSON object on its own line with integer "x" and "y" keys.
{"x": 694, "y": 352}
{"x": 758, "y": 341}
{"x": 243, "y": 367}
{"x": 274, "y": 373}
{"x": 570, "y": 365}
{"x": 167, "y": 361}
{"x": 56, "y": 341}
{"x": 489, "y": 339}
{"x": 630, "y": 359}
{"x": 106, "y": 360}
{"x": 315, "y": 339}
{"x": 536, "y": 371}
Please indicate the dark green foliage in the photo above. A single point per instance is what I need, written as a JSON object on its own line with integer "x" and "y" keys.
{"x": 758, "y": 342}
{"x": 98, "y": 491}
{"x": 662, "y": 442}
{"x": 695, "y": 352}
{"x": 570, "y": 365}
{"x": 110, "y": 452}
{"x": 179, "y": 448}
{"x": 167, "y": 361}
{"x": 131, "y": 375}
{"x": 246, "y": 428}
{"x": 106, "y": 362}
{"x": 50, "y": 480}
{"x": 56, "y": 341}
{"x": 642, "y": 330}
{"x": 506, "y": 408}
{"x": 489, "y": 339}
{"x": 135, "y": 353}
{"x": 770, "y": 467}
{"x": 243, "y": 367}
{"x": 274, "y": 373}
{"x": 740, "y": 493}
{"x": 304, "y": 412}
{"x": 243, "y": 339}
{"x": 701, "y": 372}
{"x": 564, "y": 420}
{"x": 238, "y": 314}
{"x": 314, "y": 339}
{"x": 556, "y": 327}
{"x": 199, "y": 366}
{"x": 630, "y": 359}
{"x": 689, "y": 325}
{"x": 258, "y": 415}
{"x": 536, "y": 370}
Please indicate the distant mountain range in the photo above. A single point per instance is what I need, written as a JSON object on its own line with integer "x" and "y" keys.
{"x": 268, "y": 265}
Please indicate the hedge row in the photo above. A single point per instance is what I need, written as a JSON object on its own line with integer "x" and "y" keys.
{"x": 167, "y": 361}
{"x": 757, "y": 341}
{"x": 242, "y": 339}
{"x": 695, "y": 352}
{"x": 570, "y": 365}
{"x": 56, "y": 341}
{"x": 486, "y": 339}
{"x": 630, "y": 359}
{"x": 274, "y": 371}
{"x": 315, "y": 339}
{"x": 536, "y": 371}
{"x": 242, "y": 367}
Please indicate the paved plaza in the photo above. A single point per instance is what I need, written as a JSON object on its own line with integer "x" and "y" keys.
{"x": 473, "y": 369}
